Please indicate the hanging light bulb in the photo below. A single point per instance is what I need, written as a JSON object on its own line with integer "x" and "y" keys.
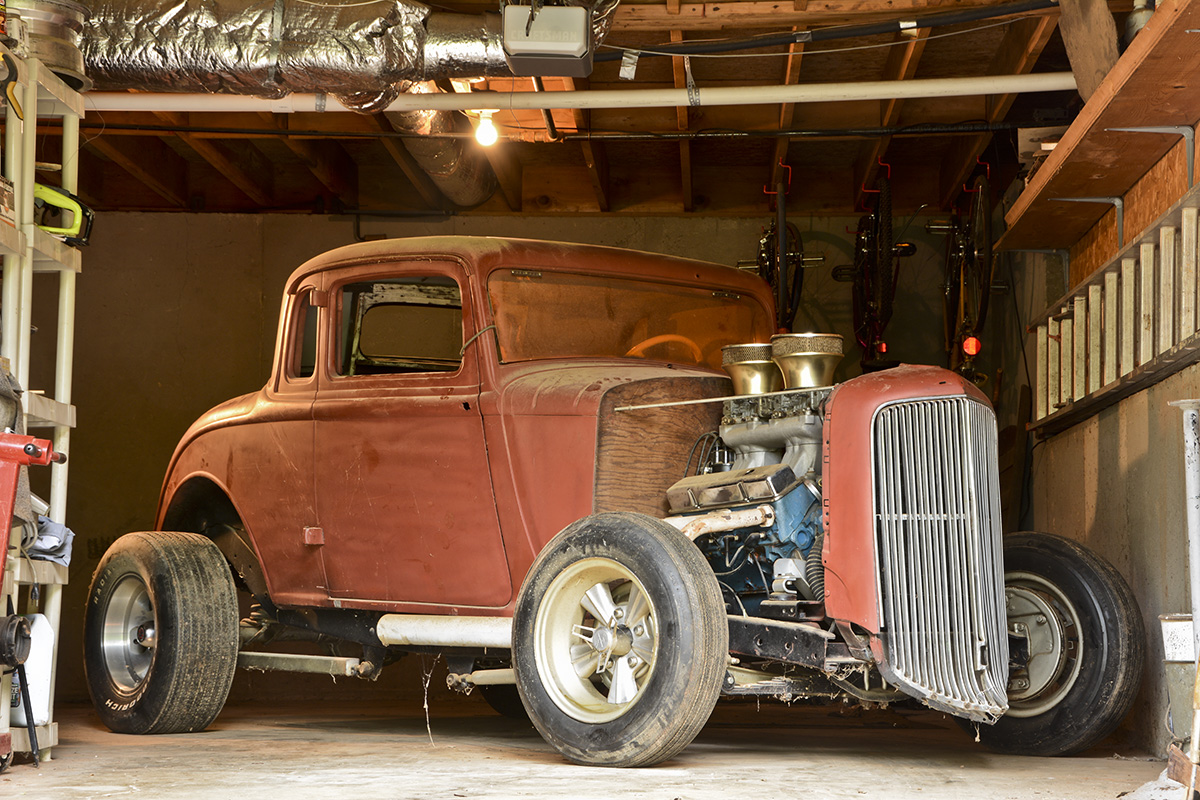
{"x": 485, "y": 132}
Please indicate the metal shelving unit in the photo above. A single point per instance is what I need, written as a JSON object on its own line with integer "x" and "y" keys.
{"x": 27, "y": 249}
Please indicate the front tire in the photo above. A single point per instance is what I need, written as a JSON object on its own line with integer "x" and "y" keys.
{"x": 1077, "y": 673}
{"x": 620, "y": 641}
{"x": 160, "y": 633}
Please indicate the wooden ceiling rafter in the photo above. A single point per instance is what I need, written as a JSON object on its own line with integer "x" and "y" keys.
{"x": 787, "y": 111}
{"x": 901, "y": 65}
{"x": 683, "y": 123}
{"x": 326, "y": 160}
{"x": 1023, "y": 43}
{"x": 167, "y": 177}
{"x": 428, "y": 191}
{"x": 233, "y": 163}
{"x": 595, "y": 156}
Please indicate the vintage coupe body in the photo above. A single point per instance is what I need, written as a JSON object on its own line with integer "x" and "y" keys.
{"x": 525, "y": 455}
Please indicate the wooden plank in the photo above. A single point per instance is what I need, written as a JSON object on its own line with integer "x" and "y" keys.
{"x": 150, "y": 161}
{"x": 595, "y": 156}
{"x": 1042, "y": 399}
{"x": 1018, "y": 53}
{"x": 1146, "y": 304}
{"x": 1053, "y": 364}
{"x": 1166, "y": 287}
{"x": 328, "y": 161}
{"x": 772, "y": 14}
{"x": 508, "y": 173}
{"x": 419, "y": 178}
{"x": 1090, "y": 35}
{"x": 1094, "y": 336}
{"x": 1079, "y": 367}
{"x": 1066, "y": 364}
{"x": 1128, "y": 304}
{"x": 1093, "y": 160}
{"x": 787, "y": 112}
{"x": 682, "y": 123}
{"x": 901, "y": 65}
{"x": 235, "y": 164}
{"x": 1187, "y": 273}
{"x": 1111, "y": 306}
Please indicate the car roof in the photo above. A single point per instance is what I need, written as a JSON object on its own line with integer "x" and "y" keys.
{"x": 482, "y": 254}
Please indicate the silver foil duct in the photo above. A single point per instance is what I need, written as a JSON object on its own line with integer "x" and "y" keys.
{"x": 361, "y": 54}
{"x": 458, "y": 169}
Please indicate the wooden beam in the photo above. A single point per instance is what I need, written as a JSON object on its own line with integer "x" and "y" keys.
{"x": 167, "y": 178}
{"x": 1090, "y": 35}
{"x": 508, "y": 172}
{"x": 901, "y": 65}
{"x": 238, "y": 166}
{"x": 594, "y": 154}
{"x": 772, "y": 14}
{"x": 430, "y": 194}
{"x": 787, "y": 112}
{"x": 327, "y": 160}
{"x": 1017, "y": 54}
{"x": 682, "y": 123}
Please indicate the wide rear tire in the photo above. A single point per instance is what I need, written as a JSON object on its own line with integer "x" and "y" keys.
{"x": 620, "y": 641}
{"x": 160, "y": 633}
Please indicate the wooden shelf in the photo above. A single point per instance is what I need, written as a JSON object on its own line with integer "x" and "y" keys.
{"x": 47, "y": 736}
{"x": 53, "y": 255}
{"x": 11, "y": 240}
{"x": 45, "y": 573}
{"x": 1156, "y": 82}
{"x": 44, "y": 412}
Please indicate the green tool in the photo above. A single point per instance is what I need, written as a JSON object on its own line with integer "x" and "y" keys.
{"x": 80, "y": 228}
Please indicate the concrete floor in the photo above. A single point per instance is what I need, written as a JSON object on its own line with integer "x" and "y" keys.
{"x": 367, "y": 751}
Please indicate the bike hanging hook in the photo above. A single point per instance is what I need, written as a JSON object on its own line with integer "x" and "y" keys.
{"x": 886, "y": 166}
{"x": 787, "y": 167}
{"x": 987, "y": 173}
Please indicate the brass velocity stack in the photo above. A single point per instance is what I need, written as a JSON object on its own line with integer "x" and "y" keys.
{"x": 807, "y": 360}
{"x": 752, "y": 368}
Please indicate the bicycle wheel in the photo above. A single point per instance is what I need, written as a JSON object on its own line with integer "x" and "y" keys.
{"x": 951, "y": 286}
{"x": 786, "y": 283}
{"x": 976, "y": 278}
{"x": 884, "y": 278}
{"x": 861, "y": 289}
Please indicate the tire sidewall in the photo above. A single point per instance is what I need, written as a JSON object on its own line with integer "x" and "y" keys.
{"x": 1110, "y": 658}
{"x": 679, "y": 638}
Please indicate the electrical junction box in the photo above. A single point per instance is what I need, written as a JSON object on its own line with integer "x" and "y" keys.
{"x": 558, "y": 42}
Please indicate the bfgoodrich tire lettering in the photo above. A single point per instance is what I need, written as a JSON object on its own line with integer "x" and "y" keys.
{"x": 1078, "y": 613}
{"x": 620, "y": 641}
{"x": 160, "y": 633}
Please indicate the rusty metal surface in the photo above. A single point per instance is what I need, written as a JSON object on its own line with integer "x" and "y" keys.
{"x": 434, "y": 491}
{"x": 851, "y": 591}
{"x": 789, "y": 642}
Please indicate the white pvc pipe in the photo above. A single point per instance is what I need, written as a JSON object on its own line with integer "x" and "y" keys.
{"x": 601, "y": 98}
{"x": 438, "y": 631}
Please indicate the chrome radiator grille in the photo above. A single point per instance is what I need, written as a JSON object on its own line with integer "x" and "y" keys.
{"x": 937, "y": 513}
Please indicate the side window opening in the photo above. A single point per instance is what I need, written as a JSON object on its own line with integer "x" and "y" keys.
{"x": 304, "y": 348}
{"x": 401, "y": 326}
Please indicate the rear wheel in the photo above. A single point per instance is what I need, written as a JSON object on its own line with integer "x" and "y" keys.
{"x": 620, "y": 641}
{"x": 1078, "y": 648}
{"x": 160, "y": 633}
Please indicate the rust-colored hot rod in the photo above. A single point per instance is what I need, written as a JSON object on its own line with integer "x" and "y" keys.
{"x": 527, "y": 456}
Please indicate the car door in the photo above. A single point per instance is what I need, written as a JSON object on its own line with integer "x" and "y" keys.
{"x": 403, "y": 486}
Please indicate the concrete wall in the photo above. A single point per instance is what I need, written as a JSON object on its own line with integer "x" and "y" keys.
{"x": 177, "y": 313}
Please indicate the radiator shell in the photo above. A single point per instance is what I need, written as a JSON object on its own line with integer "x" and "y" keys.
{"x": 912, "y": 551}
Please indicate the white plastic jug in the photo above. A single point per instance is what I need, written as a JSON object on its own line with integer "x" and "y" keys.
{"x": 37, "y": 671}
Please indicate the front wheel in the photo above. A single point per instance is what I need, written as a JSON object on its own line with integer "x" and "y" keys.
{"x": 620, "y": 641}
{"x": 1078, "y": 648}
{"x": 160, "y": 633}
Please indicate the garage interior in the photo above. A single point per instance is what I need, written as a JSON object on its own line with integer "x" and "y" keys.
{"x": 213, "y": 176}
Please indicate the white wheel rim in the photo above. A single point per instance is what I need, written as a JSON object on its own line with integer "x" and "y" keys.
{"x": 129, "y": 636}
{"x": 595, "y": 640}
{"x": 1040, "y": 612}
